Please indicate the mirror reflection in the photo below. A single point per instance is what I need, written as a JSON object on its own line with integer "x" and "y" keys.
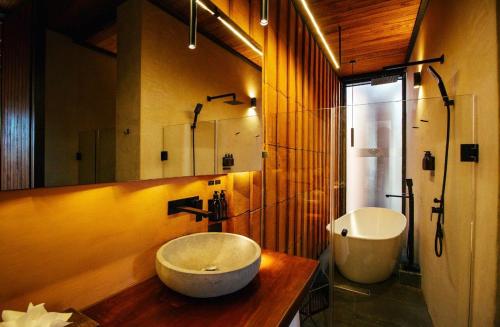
{"x": 133, "y": 102}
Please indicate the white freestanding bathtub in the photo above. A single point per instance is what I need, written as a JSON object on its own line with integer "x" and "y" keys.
{"x": 371, "y": 247}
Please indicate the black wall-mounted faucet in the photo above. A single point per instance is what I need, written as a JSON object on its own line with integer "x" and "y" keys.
{"x": 410, "y": 241}
{"x": 191, "y": 205}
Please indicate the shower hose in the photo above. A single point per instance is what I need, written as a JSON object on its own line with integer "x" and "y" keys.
{"x": 438, "y": 239}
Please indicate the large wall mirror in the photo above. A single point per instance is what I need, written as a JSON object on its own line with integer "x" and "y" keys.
{"x": 124, "y": 98}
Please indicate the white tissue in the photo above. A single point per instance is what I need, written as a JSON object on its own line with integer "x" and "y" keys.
{"x": 35, "y": 316}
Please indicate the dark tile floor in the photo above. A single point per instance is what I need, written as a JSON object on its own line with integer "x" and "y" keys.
{"x": 389, "y": 304}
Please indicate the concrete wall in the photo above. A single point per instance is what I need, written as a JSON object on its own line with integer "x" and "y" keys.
{"x": 80, "y": 92}
{"x": 173, "y": 79}
{"x": 74, "y": 246}
{"x": 466, "y": 32}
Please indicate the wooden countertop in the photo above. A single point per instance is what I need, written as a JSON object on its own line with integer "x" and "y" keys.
{"x": 271, "y": 299}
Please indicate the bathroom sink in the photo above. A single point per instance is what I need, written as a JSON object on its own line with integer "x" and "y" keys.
{"x": 208, "y": 264}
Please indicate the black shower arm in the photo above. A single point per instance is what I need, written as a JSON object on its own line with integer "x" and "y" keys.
{"x": 233, "y": 95}
{"x": 414, "y": 63}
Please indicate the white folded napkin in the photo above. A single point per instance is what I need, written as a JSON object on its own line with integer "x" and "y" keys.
{"x": 35, "y": 316}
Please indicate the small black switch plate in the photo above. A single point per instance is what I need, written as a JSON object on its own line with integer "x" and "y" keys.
{"x": 164, "y": 155}
{"x": 469, "y": 152}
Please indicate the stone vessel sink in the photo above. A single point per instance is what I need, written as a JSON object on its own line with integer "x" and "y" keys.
{"x": 208, "y": 264}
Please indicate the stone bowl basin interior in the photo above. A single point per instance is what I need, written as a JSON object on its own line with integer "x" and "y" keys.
{"x": 207, "y": 265}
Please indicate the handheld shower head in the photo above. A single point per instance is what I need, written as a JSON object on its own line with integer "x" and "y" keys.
{"x": 441, "y": 86}
{"x": 198, "y": 108}
{"x": 197, "y": 111}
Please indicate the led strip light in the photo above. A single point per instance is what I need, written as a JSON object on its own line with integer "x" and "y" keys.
{"x": 238, "y": 34}
{"x": 231, "y": 28}
{"x": 204, "y": 6}
{"x": 320, "y": 34}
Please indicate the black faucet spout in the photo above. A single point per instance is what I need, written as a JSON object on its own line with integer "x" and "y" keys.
{"x": 404, "y": 195}
{"x": 191, "y": 205}
{"x": 200, "y": 213}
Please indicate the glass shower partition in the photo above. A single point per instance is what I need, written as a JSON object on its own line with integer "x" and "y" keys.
{"x": 178, "y": 141}
{"x": 390, "y": 140}
{"x": 446, "y": 280}
{"x": 302, "y": 196}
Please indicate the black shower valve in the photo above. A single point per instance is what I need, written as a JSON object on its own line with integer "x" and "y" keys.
{"x": 437, "y": 210}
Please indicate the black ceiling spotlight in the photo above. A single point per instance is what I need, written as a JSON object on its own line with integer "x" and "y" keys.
{"x": 417, "y": 80}
{"x": 264, "y": 13}
{"x": 232, "y": 102}
{"x": 253, "y": 103}
{"x": 192, "y": 24}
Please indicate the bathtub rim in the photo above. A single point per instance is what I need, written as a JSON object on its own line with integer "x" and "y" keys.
{"x": 360, "y": 237}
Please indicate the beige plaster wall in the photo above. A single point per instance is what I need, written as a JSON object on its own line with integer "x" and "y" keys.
{"x": 128, "y": 96}
{"x": 173, "y": 79}
{"x": 73, "y": 246}
{"x": 80, "y": 93}
{"x": 466, "y": 32}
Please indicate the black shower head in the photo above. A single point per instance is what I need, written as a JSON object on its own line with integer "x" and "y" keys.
{"x": 386, "y": 79}
{"x": 441, "y": 86}
{"x": 233, "y": 102}
{"x": 197, "y": 111}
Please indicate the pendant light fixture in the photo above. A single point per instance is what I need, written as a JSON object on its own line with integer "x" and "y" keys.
{"x": 192, "y": 24}
{"x": 352, "y": 62}
{"x": 264, "y": 13}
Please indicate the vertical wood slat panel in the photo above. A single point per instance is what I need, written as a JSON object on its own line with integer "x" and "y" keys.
{"x": 15, "y": 152}
{"x": 305, "y": 143}
{"x": 299, "y": 84}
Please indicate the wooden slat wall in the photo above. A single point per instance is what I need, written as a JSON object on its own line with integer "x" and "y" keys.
{"x": 245, "y": 13}
{"x": 15, "y": 149}
{"x": 299, "y": 83}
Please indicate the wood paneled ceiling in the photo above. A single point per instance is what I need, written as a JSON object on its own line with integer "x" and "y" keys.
{"x": 82, "y": 19}
{"x": 375, "y": 33}
{"x": 93, "y": 22}
{"x": 7, "y": 5}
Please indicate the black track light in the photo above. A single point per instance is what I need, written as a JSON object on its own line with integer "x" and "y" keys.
{"x": 192, "y": 25}
{"x": 264, "y": 13}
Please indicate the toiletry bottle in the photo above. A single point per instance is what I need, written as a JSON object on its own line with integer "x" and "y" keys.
{"x": 217, "y": 206}
{"x": 223, "y": 204}
{"x": 428, "y": 162}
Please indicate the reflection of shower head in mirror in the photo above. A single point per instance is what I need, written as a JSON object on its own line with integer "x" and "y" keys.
{"x": 197, "y": 111}
{"x": 232, "y": 102}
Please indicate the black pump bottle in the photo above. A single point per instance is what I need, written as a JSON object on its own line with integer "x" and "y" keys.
{"x": 223, "y": 205}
